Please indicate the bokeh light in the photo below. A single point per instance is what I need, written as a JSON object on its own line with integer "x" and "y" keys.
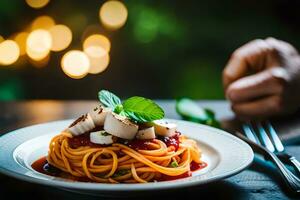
{"x": 97, "y": 40}
{"x": 43, "y": 22}
{"x": 37, "y": 3}
{"x": 40, "y": 63}
{"x": 75, "y": 64}
{"x": 38, "y": 44}
{"x": 9, "y": 52}
{"x": 113, "y": 14}
{"x": 92, "y": 30}
{"x": 61, "y": 37}
{"x": 99, "y": 59}
{"x": 97, "y": 47}
{"x": 20, "y": 39}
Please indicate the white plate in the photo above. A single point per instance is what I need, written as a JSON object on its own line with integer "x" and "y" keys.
{"x": 225, "y": 155}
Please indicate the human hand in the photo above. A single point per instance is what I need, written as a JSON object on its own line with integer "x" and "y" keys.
{"x": 262, "y": 79}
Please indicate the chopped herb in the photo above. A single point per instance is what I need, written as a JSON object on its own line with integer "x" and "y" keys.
{"x": 104, "y": 133}
{"x": 121, "y": 172}
{"x": 174, "y": 164}
{"x": 119, "y": 109}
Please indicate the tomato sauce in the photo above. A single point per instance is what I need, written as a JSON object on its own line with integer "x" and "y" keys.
{"x": 139, "y": 144}
{"x": 196, "y": 166}
{"x": 193, "y": 167}
{"x": 171, "y": 141}
{"x": 82, "y": 140}
{"x": 172, "y": 178}
{"x": 41, "y": 165}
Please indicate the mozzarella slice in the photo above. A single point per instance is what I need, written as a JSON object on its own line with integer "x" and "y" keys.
{"x": 120, "y": 126}
{"x": 82, "y": 125}
{"x": 146, "y": 134}
{"x": 101, "y": 137}
{"x": 98, "y": 115}
{"x": 164, "y": 128}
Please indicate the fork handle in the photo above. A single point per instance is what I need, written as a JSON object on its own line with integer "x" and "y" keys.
{"x": 290, "y": 179}
{"x": 295, "y": 163}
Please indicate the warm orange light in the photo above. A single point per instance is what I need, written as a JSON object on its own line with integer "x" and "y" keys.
{"x": 99, "y": 59}
{"x": 92, "y": 30}
{"x": 43, "y": 22}
{"x": 61, "y": 37}
{"x": 113, "y": 14}
{"x": 40, "y": 63}
{"x": 9, "y": 52}
{"x": 97, "y": 40}
{"x": 75, "y": 64}
{"x": 37, "y": 3}
{"x": 38, "y": 44}
{"x": 20, "y": 39}
{"x": 1, "y": 39}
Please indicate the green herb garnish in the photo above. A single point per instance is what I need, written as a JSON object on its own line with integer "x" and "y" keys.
{"x": 104, "y": 133}
{"x": 174, "y": 164}
{"x": 190, "y": 111}
{"x": 109, "y": 99}
{"x": 121, "y": 172}
{"x": 141, "y": 109}
{"x": 138, "y": 109}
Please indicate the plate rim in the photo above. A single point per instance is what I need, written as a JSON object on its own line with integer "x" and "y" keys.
{"x": 102, "y": 187}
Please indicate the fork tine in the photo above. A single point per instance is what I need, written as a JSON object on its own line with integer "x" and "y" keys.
{"x": 249, "y": 132}
{"x": 277, "y": 143}
{"x": 265, "y": 138}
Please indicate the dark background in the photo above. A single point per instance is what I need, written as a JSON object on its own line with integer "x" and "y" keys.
{"x": 166, "y": 49}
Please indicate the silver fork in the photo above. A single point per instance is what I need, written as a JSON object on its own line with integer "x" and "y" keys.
{"x": 260, "y": 146}
{"x": 271, "y": 141}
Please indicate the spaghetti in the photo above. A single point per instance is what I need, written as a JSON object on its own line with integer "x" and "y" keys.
{"x": 122, "y": 162}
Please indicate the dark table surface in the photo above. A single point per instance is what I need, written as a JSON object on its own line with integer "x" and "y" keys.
{"x": 259, "y": 181}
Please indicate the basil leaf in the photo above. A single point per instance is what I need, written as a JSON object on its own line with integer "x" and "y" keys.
{"x": 108, "y": 99}
{"x": 141, "y": 110}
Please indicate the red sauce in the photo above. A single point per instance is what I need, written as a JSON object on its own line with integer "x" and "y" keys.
{"x": 41, "y": 165}
{"x": 82, "y": 140}
{"x": 196, "y": 166}
{"x": 172, "y": 141}
{"x": 38, "y": 165}
{"x": 139, "y": 144}
{"x": 144, "y": 144}
{"x": 171, "y": 178}
{"x": 193, "y": 167}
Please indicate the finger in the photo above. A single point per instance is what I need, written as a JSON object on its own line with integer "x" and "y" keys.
{"x": 259, "y": 109}
{"x": 265, "y": 83}
{"x": 250, "y": 57}
{"x": 282, "y": 46}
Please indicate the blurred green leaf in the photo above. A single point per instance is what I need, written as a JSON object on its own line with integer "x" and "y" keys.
{"x": 11, "y": 89}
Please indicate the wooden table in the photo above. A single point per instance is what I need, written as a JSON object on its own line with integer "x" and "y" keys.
{"x": 260, "y": 181}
